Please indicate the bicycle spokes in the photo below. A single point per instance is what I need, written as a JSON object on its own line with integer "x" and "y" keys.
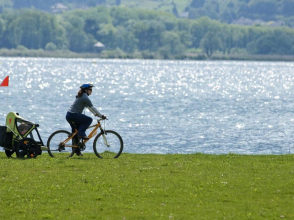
{"x": 57, "y": 146}
{"x": 108, "y": 144}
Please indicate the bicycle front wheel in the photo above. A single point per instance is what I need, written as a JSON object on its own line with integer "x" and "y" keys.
{"x": 108, "y": 144}
{"x": 55, "y": 145}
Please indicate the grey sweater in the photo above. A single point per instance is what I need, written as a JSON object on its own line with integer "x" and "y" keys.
{"x": 80, "y": 103}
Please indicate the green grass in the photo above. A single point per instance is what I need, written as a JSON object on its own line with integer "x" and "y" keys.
{"x": 148, "y": 187}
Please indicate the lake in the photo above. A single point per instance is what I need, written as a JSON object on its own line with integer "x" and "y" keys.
{"x": 162, "y": 107}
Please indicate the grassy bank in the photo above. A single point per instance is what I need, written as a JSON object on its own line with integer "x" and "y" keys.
{"x": 148, "y": 187}
{"x": 118, "y": 54}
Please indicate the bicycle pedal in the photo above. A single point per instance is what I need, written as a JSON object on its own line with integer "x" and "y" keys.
{"x": 81, "y": 146}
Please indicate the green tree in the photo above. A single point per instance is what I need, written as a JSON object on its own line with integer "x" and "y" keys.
{"x": 243, "y": 11}
{"x": 170, "y": 23}
{"x": 185, "y": 38}
{"x": 277, "y": 41}
{"x": 200, "y": 27}
{"x": 94, "y": 19}
{"x": 210, "y": 43}
{"x": 78, "y": 41}
{"x": 197, "y": 3}
{"x": 51, "y": 31}
{"x": 228, "y": 15}
{"x": 153, "y": 32}
{"x": 108, "y": 36}
{"x": 210, "y": 9}
{"x": 148, "y": 34}
{"x": 121, "y": 15}
{"x": 263, "y": 7}
{"x": 175, "y": 10}
{"x": 50, "y": 47}
{"x": 2, "y": 27}
{"x": 12, "y": 34}
{"x": 126, "y": 40}
{"x": 91, "y": 26}
{"x": 241, "y": 37}
{"x": 171, "y": 43}
{"x": 32, "y": 29}
{"x": 288, "y": 7}
{"x": 283, "y": 41}
{"x": 226, "y": 37}
{"x": 75, "y": 21}
{"x": 21, "y": 48}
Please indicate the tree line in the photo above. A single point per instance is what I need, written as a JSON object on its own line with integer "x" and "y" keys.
{"x": 131, "y": 31}
{"x": 229, "y": 11}
{"x": 226, "y": 11}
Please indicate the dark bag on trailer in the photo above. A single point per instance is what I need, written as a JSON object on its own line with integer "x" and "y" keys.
{"x": 5, "y": 137}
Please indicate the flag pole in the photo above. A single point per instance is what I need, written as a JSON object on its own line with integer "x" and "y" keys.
{"x": 5, "y": 83}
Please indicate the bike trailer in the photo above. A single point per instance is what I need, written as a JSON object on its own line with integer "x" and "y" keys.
{"x": 21, "y": 136}
{"x": 5, "y": 137}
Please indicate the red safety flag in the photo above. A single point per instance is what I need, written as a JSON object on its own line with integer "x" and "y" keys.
{"x": 5, "y": 81}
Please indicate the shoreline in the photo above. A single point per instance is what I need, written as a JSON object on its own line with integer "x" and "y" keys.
{"x": 143, "y": 56}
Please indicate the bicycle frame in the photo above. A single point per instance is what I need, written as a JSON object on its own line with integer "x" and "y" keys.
{"x": 106, "y": 143}
{"x": 92, "y": 134}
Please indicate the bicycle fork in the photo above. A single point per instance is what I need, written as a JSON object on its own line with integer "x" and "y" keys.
{"x": 104, "y": 138}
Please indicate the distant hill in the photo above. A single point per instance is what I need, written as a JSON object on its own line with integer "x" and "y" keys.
{"x": 241, "y": 12}
{"x": 132, "y": 30}
{"x": 247, "y": 12}
{"x": 165, "y": 5}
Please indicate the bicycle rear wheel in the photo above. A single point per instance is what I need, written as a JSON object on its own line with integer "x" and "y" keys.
{"x": 55, "y": 145}
{"x": 108, "y": 145}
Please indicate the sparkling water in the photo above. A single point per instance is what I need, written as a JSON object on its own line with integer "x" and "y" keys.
{"x": 214, "y": 107}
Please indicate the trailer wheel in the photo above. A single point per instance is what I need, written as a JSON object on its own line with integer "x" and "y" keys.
{"x": 27, "y": 148}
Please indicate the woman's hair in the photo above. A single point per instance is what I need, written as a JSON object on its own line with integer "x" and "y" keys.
{"x": 80, "y": 92}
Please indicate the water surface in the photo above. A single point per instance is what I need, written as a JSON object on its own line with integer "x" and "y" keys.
{"x": 214, "y": 107}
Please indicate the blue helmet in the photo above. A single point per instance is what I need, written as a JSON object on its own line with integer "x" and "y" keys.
{"x": 87, "y": 86}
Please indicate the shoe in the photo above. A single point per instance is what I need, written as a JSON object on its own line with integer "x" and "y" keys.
{"x": 79, "y": 154}
{"x": 84, "y": 137}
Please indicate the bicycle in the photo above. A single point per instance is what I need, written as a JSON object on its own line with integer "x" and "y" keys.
{"x": 64, "y": 144}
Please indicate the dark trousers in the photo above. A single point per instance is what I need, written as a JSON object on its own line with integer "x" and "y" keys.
{"x": 79, "y": 121}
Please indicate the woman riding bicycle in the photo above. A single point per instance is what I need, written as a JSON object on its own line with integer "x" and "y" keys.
{"x": 63, "y": 144}
{"x": 74, "y": 115}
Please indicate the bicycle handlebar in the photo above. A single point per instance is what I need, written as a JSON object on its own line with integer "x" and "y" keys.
{"x": 102, "y": 119}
